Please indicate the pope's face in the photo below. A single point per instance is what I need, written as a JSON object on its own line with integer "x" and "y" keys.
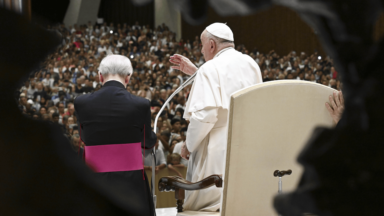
{"x": 206, "y": 47}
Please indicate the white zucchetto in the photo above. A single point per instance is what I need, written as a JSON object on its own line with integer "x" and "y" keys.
{"x": 220, "y": 30}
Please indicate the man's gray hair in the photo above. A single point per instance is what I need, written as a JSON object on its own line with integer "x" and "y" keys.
{"x": 115, "y": 65}
{"x": 216, "y": 39}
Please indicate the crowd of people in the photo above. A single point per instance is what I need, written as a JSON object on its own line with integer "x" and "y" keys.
{"x": 72, "y": 70}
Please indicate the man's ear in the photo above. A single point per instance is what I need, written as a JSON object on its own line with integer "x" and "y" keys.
{"x": 101, "y": 78}
{"x": 127, "y": 79}
{"x": 212, "y": 45}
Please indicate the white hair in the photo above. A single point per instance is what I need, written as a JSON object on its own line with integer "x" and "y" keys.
{"x": 116, "y": 65}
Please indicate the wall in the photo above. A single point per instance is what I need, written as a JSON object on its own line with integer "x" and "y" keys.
{"x": 81, "y": 11}
{"x": 125, "y": 11}
{"x": 88, "y": 11}
{"x": 378, "y": 30}
{"x": 43, "y": 14}
{"x": 72, "y": 12}
{"x": 277, "y": 28}
{"x": 166, "y": 13}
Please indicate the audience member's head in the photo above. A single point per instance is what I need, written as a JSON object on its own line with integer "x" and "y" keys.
{"x": 64, "y": 121}
{"x": 43, "y": 110}
{"x": 175, "y": 125}
{"x": 115, "y": 66}
{"x": 55, "y": 117}
{"x": 173, "y": 159}
{"x": 75, "y": 141}
{"x": 183, "y": 133}
{"x": 165, "y": 135}
{"x": 71, "y": 121}
{"x": 60, "y": 107}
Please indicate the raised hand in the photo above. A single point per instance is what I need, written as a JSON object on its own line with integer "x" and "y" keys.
{"x": 335, "y": 106}
{"x": 183, "y": 64}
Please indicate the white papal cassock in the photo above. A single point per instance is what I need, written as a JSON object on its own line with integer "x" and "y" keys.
{"x": 207, "y": 110}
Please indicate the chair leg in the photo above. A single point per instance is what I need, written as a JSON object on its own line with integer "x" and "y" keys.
{"x": 180, "y": 205}
{"x": 179, "y": 195}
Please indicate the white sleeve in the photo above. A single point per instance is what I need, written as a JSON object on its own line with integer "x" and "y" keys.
{"x": 177, "y": 148}
{"x": 160, "y": 158}
{"x": 201, "y": 123}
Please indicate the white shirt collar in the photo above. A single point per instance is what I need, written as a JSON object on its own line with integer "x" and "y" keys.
{"x": 221, "y": 51}
{"x": 115, "y": 80}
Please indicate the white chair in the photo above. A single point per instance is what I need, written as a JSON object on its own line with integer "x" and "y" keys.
{"x": 269, "y": 124}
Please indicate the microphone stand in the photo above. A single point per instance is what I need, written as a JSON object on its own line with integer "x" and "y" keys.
{"x": 189, "y": 81}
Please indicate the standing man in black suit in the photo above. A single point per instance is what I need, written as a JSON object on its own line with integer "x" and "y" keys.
{"x": 115, "y": 125}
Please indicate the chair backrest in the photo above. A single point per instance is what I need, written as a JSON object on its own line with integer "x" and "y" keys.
{"x": 269, "y": 124}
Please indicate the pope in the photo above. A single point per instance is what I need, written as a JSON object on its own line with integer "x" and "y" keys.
{"x": 225, "y": 72}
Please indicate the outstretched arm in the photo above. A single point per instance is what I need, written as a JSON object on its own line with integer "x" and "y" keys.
{"x": 160, "y": 167}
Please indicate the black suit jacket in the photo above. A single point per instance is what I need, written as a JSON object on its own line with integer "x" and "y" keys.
{"x": 114, "y": 116}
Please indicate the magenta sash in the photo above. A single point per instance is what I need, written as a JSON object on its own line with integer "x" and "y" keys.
{"x": 114, "y": 157}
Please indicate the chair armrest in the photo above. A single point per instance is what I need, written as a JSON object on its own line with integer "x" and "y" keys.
{"x": 179, "y": 185}
{"x": 170, "y": 183}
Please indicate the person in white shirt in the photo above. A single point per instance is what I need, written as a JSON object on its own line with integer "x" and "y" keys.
{"x": 181, "y": 101}
{"x": 48, "y": 81}
{"x": 164, "y": 40}
{"x": 96, "y": 81}
{"x": 160, "y": 158}
{"x": 91, "y": 72}
{"x": 109, "y": 50}
{"x": 130, "y": 37}
{"x": 102, "y": 48}
{"x": 104, "y": 27}
{"x": 56, "y": 67}
{"x": 31, "y": 90}
{"x": 119, "y": 43}
{"x": 153, "y": 47}
{"x": 97, "y": 30}
{"x": 136, "y": 26}
{"x": 72, "y": 29}
{"x": 177, "y": 147}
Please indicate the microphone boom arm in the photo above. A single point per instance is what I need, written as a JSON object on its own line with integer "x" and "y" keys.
{"x": 189, "y": 81}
